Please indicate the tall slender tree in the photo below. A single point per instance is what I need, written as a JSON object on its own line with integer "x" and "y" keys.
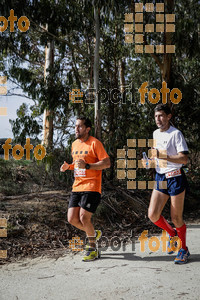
{"x": 47, "y": 139}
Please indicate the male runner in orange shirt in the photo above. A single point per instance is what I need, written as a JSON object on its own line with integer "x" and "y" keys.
{"x": 89, "y": 159}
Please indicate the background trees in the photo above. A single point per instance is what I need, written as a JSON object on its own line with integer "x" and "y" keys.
{"x": 80, "y": 44}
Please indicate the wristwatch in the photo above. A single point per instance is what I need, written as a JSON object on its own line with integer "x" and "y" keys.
{"x": 87, "y": 166}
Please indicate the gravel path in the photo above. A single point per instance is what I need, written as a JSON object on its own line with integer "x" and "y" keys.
{"x": 123, "y": 274}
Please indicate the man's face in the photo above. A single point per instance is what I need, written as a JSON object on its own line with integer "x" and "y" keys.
{"x": 81, "y": 130}
{"x": 162, "y": 119}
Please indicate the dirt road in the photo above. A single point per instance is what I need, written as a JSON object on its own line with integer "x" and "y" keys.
{"x": 117, "y": 275}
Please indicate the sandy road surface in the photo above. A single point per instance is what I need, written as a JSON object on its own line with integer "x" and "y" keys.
{"x": 117, "y": 275}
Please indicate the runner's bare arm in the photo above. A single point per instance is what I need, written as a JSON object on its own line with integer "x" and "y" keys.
{"x": 180, "y": 158}
{"x": 66, "y": 167}
{"x": 100, "y": 165}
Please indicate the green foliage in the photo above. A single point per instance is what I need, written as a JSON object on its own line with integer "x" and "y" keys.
{"x": 23, "y": 176}
{"x": 71, "y": 26}
{"x": 25, "y": 125}
{"x": 10, "y": 176}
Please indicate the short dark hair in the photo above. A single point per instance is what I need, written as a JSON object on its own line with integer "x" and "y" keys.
{"x": 87, "y": 121}
{"x": 163, "y": 107}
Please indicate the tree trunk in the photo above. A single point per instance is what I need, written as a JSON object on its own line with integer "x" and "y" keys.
{"x": 97, "y": 118}
{"x": 122, "y": 75}
{"x": 47, "y": 139}
{"x": 167, "y": 57}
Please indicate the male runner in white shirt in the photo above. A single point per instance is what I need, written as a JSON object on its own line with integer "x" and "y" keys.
{"x": 171, "y": 140}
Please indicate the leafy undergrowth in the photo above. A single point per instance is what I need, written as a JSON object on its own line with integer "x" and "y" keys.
{"x": 23, "y": 176}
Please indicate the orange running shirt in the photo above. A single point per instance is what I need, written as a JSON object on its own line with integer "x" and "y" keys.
{"x": 90, "y": 151}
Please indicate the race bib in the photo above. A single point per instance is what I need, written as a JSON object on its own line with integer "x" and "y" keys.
{"x": 79, "y": 172}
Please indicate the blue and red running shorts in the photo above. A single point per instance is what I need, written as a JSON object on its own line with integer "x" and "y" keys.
{"x": 175, "y": 185}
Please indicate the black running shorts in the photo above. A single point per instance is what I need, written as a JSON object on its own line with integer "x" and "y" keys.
{"x": 87, "y": 200}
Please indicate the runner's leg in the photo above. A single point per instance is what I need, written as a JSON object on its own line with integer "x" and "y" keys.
{"x": 85, "y": 218}
{"x": 177, "y": 204}
{"x": 81, "y": 219}
{"x": 157, "y": 203}
{"x": 73, "y": 217}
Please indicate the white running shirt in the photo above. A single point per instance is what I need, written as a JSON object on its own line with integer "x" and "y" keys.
{"x": 173, "y": 141}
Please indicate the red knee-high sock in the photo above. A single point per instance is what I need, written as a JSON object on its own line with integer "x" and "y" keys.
{"x": 182, "y": 235}
{"x": 162, "y": 223}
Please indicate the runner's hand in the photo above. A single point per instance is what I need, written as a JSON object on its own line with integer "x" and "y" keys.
{"x": 64, "y": 167}
{"x": 143, "y": 163}
{"x": 153, "y": 153}
{"x": 80, "y": 163}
